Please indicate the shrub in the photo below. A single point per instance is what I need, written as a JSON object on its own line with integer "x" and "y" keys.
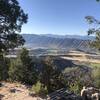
{"x": 38, "y": 89}
{"x": 3, "y": 68}
{"x": 96, "y": 76}
{"x": 22, "y": 69}
{"x": 76, "y": 87}
{"x": 77, "y": 77}
{"x": 16, "y": 70}
{"x": 51, "y": 76}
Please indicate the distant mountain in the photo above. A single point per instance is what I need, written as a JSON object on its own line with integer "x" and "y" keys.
{"x": 57, "y": 41}
{"x": 85, "y": 37}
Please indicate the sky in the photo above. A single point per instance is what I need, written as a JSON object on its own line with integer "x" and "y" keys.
{"x": 61, "y": 17}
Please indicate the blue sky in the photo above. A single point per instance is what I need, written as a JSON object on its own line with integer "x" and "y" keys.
{"x": 60, "y": 17}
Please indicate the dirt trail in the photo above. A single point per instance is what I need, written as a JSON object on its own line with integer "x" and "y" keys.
{"x": 20, "y": 93}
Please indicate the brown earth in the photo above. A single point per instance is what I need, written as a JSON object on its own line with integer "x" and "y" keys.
{"x": 15, "y": 91}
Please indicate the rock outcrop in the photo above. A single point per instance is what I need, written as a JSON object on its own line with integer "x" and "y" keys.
{"x": 63, "y": 94}
{"x": 90, "y": 93}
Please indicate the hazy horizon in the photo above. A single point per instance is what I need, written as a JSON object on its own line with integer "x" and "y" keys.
{"x": 58, "y": 17}
{"x": 58, "y": 34}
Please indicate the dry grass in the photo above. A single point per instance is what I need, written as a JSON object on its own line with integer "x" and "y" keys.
{"x": 81, "y": 57}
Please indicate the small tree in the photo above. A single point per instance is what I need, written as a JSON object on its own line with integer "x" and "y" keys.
{"x": 29, "y": 66}
{"x": 12, "y": 17}
{"x": 23, "y": 69}
{"x": 96, "y": 76}
{"x": 51, "y": 76}
{"x": 3, "y": 68}
{"x": 16, "y": 70}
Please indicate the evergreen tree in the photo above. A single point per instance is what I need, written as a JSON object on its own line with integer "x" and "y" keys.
{"x": 12, "y": 17}
{"x": 23, "y": 69}
{"x": 29, "y": 67}
{"x": 51, "y": 76}
{"x": 4, "y": 65}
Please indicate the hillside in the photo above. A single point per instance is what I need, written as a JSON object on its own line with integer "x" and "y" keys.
{"x": 57, "y": 42}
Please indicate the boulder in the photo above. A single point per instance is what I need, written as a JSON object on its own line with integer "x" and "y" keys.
{"x": 13, "y": 90}
{"x": 32, "y": 94}
{"x": 90, "y": 93}
{"x": 1, "y": 85}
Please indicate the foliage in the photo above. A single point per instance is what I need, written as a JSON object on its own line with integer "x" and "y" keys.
{"x": 12, "y": 17}
{"x": 97, "y": 0}
{"x": 51, "y": 76}
{"x": 22, "y": 69}
{"x": 38, "y": 89}
{"x": 77, "y": 77}
{"x": 70, "y": 69}
{"x": 29, "y": 67}
{"x": 76, "y": 87}
{"x": 96, "y": 76}
{"x": 3, "y": 68}
{"x": 94, "y": 30}
{"x": 16, "y": 72}
{"x": 95, "y": 65}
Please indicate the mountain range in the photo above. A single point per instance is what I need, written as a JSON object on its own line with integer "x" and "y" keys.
{"x": 50, "y": 41}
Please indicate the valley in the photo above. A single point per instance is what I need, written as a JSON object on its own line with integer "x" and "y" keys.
{"x": 73, "y": 55}
{"x": 67, "y": 43}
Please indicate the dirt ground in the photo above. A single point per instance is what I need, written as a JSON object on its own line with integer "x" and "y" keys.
{"x": 15, "y": 91}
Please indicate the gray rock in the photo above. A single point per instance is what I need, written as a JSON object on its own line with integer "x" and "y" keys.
{"x": 32, "y": 94}
{"x": 63, "y": 94}
{"x": 1, "y": 84}
{"x": 13, "y": 90}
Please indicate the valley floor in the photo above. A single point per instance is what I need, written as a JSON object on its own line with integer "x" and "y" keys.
{"x": 82, "y": 57}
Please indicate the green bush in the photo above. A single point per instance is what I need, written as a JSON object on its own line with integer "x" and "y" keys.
{"x": 38, "y": 89}
{"x": 76, "y": 87}
{"x": 22, "y": 69}
{"x": 51, "y": 76}
{"x": 3, "y": 68}
{"x": 16, "y": 70}
{"x": 96, "y": 77}
{"x": 76, "y": 78}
